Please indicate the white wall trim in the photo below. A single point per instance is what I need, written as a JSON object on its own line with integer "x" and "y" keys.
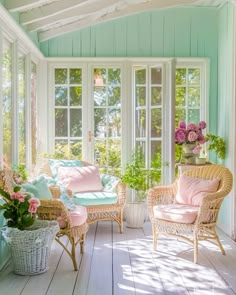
{"x": 8, "y": 24}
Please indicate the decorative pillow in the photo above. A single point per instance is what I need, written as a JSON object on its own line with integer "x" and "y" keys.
{"x": 63, "y": 163}
{"x": 38, "y": 188}
{"x": 80, "y": 179}
{"x": 192, "y": 190}
{"x": 109, "y": 182}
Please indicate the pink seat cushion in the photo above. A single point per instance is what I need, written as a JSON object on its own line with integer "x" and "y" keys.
{"x": 77, "y": 216}
{"x": 80, "y": 179}
{"x": 176, "y": 213}
{"x": 192, "y": 190}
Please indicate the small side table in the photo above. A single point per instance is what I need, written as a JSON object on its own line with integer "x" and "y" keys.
{"x": 184, "y": 167}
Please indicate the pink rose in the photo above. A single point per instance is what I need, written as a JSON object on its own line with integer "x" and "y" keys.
{"x": 32, "y": 208}
{"x": 192, "y": 126}
{"x": 192, "y": 136}
{"x": 197, "y": 149}
{"x": 18, "y": 195}
{"x": 182, "y": 125}
{"x": 202, "y": 124}
{"x": 34, "y": 202}
{"x": 180, "y": 136}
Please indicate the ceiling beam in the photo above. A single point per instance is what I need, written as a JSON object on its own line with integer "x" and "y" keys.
{"x": 49, "y": 10}
{"x": 120, "y": 11}
{"x": 78, "y": 12}
{"x": 20, "y": 5}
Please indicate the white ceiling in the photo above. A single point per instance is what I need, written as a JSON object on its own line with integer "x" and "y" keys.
{"x": 51, "y": 18}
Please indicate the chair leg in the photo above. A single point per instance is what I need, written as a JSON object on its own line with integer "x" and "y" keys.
{"x": 195, "y": 245}
{"x": 82, "y": 243}
{"x": 121, "y": 222}
{"x": 155, "y": 235}
{"x": 219, "y": 242}
{"x": 73, "y": 256}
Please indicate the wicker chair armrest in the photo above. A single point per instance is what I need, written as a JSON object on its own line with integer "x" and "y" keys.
{"x": 52, "y": 209}
{"x": 160, "y": 195}
{"x": 121, "y": 192}
{"x": 55, "y": 191}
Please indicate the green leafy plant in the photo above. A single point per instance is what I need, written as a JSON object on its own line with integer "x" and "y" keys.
{"x": 137, "y": 177}
{"x": 21, "y": 171}
{"x": 20, "y": 208}
{"x": 216, "y": 144}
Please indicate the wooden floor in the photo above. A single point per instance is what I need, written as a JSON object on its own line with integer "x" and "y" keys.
{"x": 125, "y": 264}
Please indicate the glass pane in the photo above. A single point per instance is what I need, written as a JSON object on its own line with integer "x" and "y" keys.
{"x": 156, "y": 76}
{"x": 76, "y": 96}
{"x": 180, "y": 115}
{"x": 114, "y": 96}
{"x": 100, "y": 96}
{"x": 21, "y": 109}
{"x": 194, "y": 76}
{"x": 114, "y": 153}
{"x": 180, "y": 76}
{"x": 156, "y": 96}
{"x": 100, "y": 129}
{"x": 114, "y": 123}
{"x": 140, "y": 124}
{"x": 140, "y": 96}
{"x": 194, "y": 116}
{"x": 75, "y": 123}
{"x": 156, "y": 123}
{"x": 140, "y": 76}
{"x": 76, "y": 149}
{"x": 60, "y": 76}
{"x": 194, "y": 97}
{"x": 114, "y": 77}
{"x": 180, "y": 96}
{"x": 61, "y": 149}
{"x": 60, "y": 96}
{"x": 100, "y": 77}
{"x": 140, "y": 147}
{"x": 156, "y": 154}
{"x": 61, "y": 122}
{"x": 33, "y": 111}
{"x": 75, "y": 76}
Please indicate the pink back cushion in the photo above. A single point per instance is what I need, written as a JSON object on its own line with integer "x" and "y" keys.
{"x": 192, "y": 190}
{"x": 80, "y": 179}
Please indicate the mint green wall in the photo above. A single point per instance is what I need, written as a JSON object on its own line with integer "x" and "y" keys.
{"x": 180, "y": 32}
{"x": 225, "y": 48}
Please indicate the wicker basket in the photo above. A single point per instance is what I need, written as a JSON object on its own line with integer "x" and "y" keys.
{"x": 30, "y": 249}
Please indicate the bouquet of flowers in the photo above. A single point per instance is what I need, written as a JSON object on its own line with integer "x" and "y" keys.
{"x": 190, "y": 134}
{"x": 20, "y": 208}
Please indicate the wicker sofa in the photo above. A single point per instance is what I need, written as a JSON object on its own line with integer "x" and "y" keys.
{"x": 97, "y": 211}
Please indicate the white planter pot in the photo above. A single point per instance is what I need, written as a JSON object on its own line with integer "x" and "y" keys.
{"x": 135, "y": 214}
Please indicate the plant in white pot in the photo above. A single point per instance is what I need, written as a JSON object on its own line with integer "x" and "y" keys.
{"x": 139, "y": 179}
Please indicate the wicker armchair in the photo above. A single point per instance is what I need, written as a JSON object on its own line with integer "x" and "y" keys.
{"x": 203, "y": 228}
{"x": 53, "y": 209}
{"x": 97, "y": 212}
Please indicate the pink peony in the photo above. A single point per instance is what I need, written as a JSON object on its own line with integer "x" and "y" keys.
{"x": 192, "y": 126}
{"x": 182, "y": 125}
{"x": 180, "y": 136}
{"x": 18, "y": 195}
{"x": 192, "y": 136}
{"x": 197, "y": 149}
{"x": 202, "y": 124}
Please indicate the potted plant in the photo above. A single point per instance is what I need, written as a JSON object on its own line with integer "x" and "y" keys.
{"x": 139, "y": 179}
{"x": 216, "y": 144}
{"x": 29, "y": 239}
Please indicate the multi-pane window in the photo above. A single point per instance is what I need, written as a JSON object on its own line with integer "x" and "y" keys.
{"x": 188, "y": 91}
{"x": 7, "y": 103}
{"x": 21, "y": 109}
{"x": 33, "y": 112}
{"x": 68, "y": 112}
{"x": 148, "y": 114}
{"x": 107, "y": 118}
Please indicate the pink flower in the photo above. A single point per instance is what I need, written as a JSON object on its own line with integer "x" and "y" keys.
{"x": 18, "y": 195}
{"x": 180, "y": 136}
{"x": 202, "y": 124}
{"x": 34, "y": 202}
{"x": 182, "y": 125}
{"x": 32, "y": 208}
{"x": 197, "y": 149}
{"x": 192, "y": 136}
{"x": 192, "y": 126}
{"x": 202, "y": 139}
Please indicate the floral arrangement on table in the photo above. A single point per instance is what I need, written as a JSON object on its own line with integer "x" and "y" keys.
{"x": 191, "y": 134}
{"x": 20, "y": 208}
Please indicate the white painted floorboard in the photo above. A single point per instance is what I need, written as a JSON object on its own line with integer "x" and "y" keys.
{"x": 124, "y": 264}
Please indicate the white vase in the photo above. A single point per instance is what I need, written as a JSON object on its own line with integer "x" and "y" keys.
{"x": 188, "y": 155}
{"x": 135, "y": 214}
